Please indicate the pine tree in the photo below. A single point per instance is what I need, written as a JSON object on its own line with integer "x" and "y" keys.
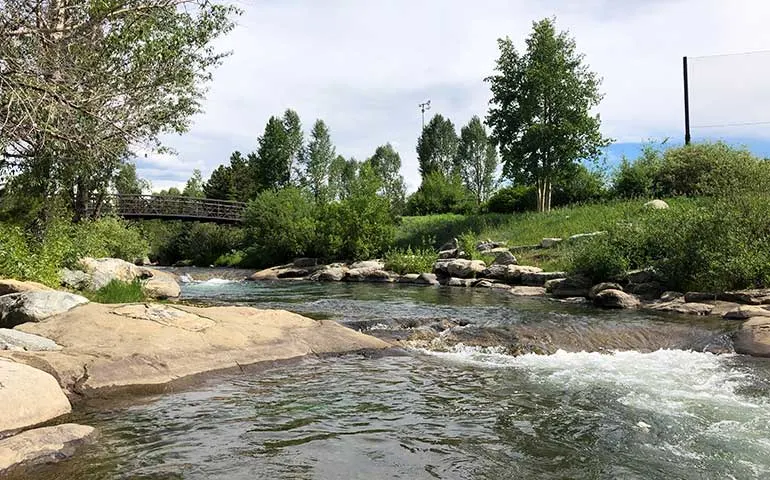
{"x": 271, "y": 165}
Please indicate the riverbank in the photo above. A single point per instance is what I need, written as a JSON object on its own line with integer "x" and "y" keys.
{"x": 75, "y": 350}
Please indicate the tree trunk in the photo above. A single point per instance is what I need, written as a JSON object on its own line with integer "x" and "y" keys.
{"x": 548, "y": 190}
{"x": 540, "y": 196}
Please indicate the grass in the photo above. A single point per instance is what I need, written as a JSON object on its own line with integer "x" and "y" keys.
{"x": 417, "y": 260}
{"x": 117, "y": 292}
{"x": 517, "y": 229}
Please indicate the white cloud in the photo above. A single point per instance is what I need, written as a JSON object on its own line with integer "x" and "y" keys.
{"x": 364, "y": 66}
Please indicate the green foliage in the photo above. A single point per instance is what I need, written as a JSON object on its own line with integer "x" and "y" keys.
{"x": 512, "y": 199}
{"x": 419, "y": 260}
{"x": 199, "y": 244}
{"x": 318, "y": 159}
{"x": 342, "y": 176}
{"x": 117, "y": 292}
{"x": 541, "y": 109}
{"x": 194, "y": 186}
{"x": 220, "y": 185}
{"x": 233, "y": 259}
{"x": 477, "y": 160}
{"x": 437, "y": 147}
{"x": 599, "y": 260}
{"x": 386, "y": 165}
{"x": 580, "y": 186}
{"x": 280, "y": 225}
{"x": 271, "y": 165}
{"x": 128, "y": 183}
{"x": 439, "y": 194}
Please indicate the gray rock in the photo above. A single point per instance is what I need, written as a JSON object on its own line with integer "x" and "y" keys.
{"x": 760, "y": 296}
{"x": 512, "y": 274}
{"x": 450, "y": 245}
{"x": 459, "y": 282}
{"x": 642, "y": 275}
{"x": 753, "y": 338}
{"x": 368, "y": 264}
{"x": 745, "y": 312}
{"x": 426, "y": 279}
{"x": 574, "y": 286}
{"x": 611, "y": 298}
{"x": 293, "y": 273}
{"x": 20, "y": 341}
{"x": 601, "y": 287}
{"x": 368, "y": 275}
{"x": 408, "y": 278}
{"x": 504, "y": 257}
{"x": 104, "y": 270}
{"x": 43, "y": 445}
{"x": 329, "y": 274}
{"x": 460, "y": 268}
{"x": 656, "y": 205}
{"x": 670, "y": 296}
{"x": 528, "y": 291}
{"x": 305, "y": 262}
{"x": 74, "y": 279}
{"x": 483, "y": 284}
{"x": 18, "y": 308}
{"x": 648, "y": 290}
{"x": 700, "y": 297}
{"x": 550, "y": 242}
{"x": 488, "y": 245}
{"x": 678, "y": 306}
{"x": 539, "y": 279}
{"x": 444, "y": 254}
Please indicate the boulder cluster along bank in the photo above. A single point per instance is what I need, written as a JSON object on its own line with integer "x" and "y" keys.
{"x": 57, "y": 348}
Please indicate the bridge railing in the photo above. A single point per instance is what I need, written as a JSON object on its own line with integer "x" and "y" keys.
{"x": 173, "y": 207}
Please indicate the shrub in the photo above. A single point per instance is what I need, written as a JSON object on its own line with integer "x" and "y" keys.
{"x": 580, "y": 186}
{"x": 117, "y": 292}
{"x": 232, "y": 259}
{"x": 512, "y": 199}
{"x": 439, "y": 194}
{"x": 280, "y": 225}
{"x": 410, "y": 261}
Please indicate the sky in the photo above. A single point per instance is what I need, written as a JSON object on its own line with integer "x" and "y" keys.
{"x": 363, "y": 67}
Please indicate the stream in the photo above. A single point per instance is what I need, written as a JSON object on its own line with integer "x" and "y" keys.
{"x": 618, "y": 395}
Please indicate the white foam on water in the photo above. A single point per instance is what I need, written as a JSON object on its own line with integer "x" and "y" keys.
{"x": 216, "y": 281}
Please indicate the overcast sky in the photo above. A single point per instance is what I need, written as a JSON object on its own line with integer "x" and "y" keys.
{"x": 365, "y": 66}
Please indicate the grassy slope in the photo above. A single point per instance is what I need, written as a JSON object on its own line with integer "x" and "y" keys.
{"x": 523, "y": 228}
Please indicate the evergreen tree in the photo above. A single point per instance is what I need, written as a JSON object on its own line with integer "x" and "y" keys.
{"x": 541, "y": 109}
{"x": 194, "y": 186}
{"x": 477, "y": 160}
{"x": 271, "y": 165}
{"x": 241, "y": 178}
{"x": 386, "y": 164}
{"x": 220, "y": 184}
{"x": 437, "y": 147}
{"x": 318, "y": 160}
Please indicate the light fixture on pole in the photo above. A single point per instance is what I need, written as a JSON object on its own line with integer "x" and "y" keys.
{"x": 423, "y": 107}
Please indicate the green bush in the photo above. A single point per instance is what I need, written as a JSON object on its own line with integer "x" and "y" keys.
{"x": 117, "y": 292}
{"x": 438, "y": 194}
{"x": 232, "y": 259}
{"x": 719, "y": 244}
{"x": 512, "y": 199}
{"x": 581, "y": 185}
{"x": 410, "y": 261}
{"x": 280, "y": 225}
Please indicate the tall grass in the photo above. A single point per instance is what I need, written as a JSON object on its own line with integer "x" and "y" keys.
{"x": 117, "y": 292}
{"x": 410, "y": 260}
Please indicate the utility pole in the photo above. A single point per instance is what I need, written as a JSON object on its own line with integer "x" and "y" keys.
{"x": 423, "y": 107}
{"x": 686, "y": 103}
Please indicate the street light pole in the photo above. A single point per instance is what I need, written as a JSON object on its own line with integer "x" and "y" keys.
{"x": 424, "y": 106}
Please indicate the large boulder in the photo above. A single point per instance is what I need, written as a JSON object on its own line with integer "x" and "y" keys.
{"x": 15, "y": 340}
{"x": 368, "y": 274}
{"x": 141, "y": 346}
{"x": 161, "y": 285}
{"x": 573, "y": 286}
{"x": 18, "y": 308}
{"x": 758, "y": 296}
{"x": 8, "y": 286}
{"x": 754, "y": 337}
{"x": 503, "y": 257}
{"x": 612, "y": 298}
{"x": 266, "y": 274}
{"x": 656, "y": 205}
{"x": 744, "y": 312}
{"x": 28, "y": 397}
{"x": 101, "y": 271}
{"x": 104, "y": 270}
{"x": 43, "y": 445}
{"x": 460, "y": 268}
{"x": 648, "y": 290}
{"x": 539, "y": 279}
{"x": 329, "y": 274}
{"x": 368, "y": 264}
{"x": 512, "y": 274}
{"x": 75, "y": 279}
{"x": 684, "y": 308}
{"x": 596, "y": 289}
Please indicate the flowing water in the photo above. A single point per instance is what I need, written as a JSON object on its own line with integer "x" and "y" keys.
{"x": 621, "y": 395}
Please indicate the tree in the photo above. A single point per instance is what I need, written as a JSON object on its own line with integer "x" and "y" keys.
{"x": 220, "y": 184}
{"x": 83, "y": 82}
{"x": 386, "y": 165}
{"x": 540, "y": 110}
{"x": 271, "y": 165}
{"x": 194, "y": 186}
{"x": 440, "y": 194}
{"x": 242, "y": 179}
{"x": 342, "y": 175}
{"x": 477, "y": 160}
{"x": 128, "y": 183}
{"x": 437, "y": 147}
{"x": 294, "y": 142}
{"x": 318, "y": 159}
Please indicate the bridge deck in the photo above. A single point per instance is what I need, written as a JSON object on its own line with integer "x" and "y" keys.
{"x": 174, "y": 208}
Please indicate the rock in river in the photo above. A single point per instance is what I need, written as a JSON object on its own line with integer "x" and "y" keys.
{"x": 43, "y": 445}
{"x": 28, "y": 397}
{"x": 18, "y": 308}
{"x": 754, "y": 337}
{"x": 612, "y": 298}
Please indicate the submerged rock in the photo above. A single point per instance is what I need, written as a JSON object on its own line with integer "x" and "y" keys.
{"x": 43, "y": 445}
{"x": 8, "y": 286}
{"x": 459, "y": 282}
{"x": 611, "y": 298}
{"x": 685, "y": 308}
{"x": 18, "y": 308}
{"x": 28, "y": 397}
{"x": 522, "y": 291}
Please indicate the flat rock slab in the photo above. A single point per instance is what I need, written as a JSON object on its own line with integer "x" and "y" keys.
{"x": 744, "y": 312}
{"x": 678, "y": 306}
{"x": 8, "y": 286}
{"x": 17, "y": 340}
{"x": 43, "y": 445}
{"x": 143, "y": 346}
{"x": 28, "y": 397}
{"x": 18, "y": 308}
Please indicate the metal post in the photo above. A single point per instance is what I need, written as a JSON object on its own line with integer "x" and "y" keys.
{"x": 423, "y": 107}
{"x": 686, "y": 103}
